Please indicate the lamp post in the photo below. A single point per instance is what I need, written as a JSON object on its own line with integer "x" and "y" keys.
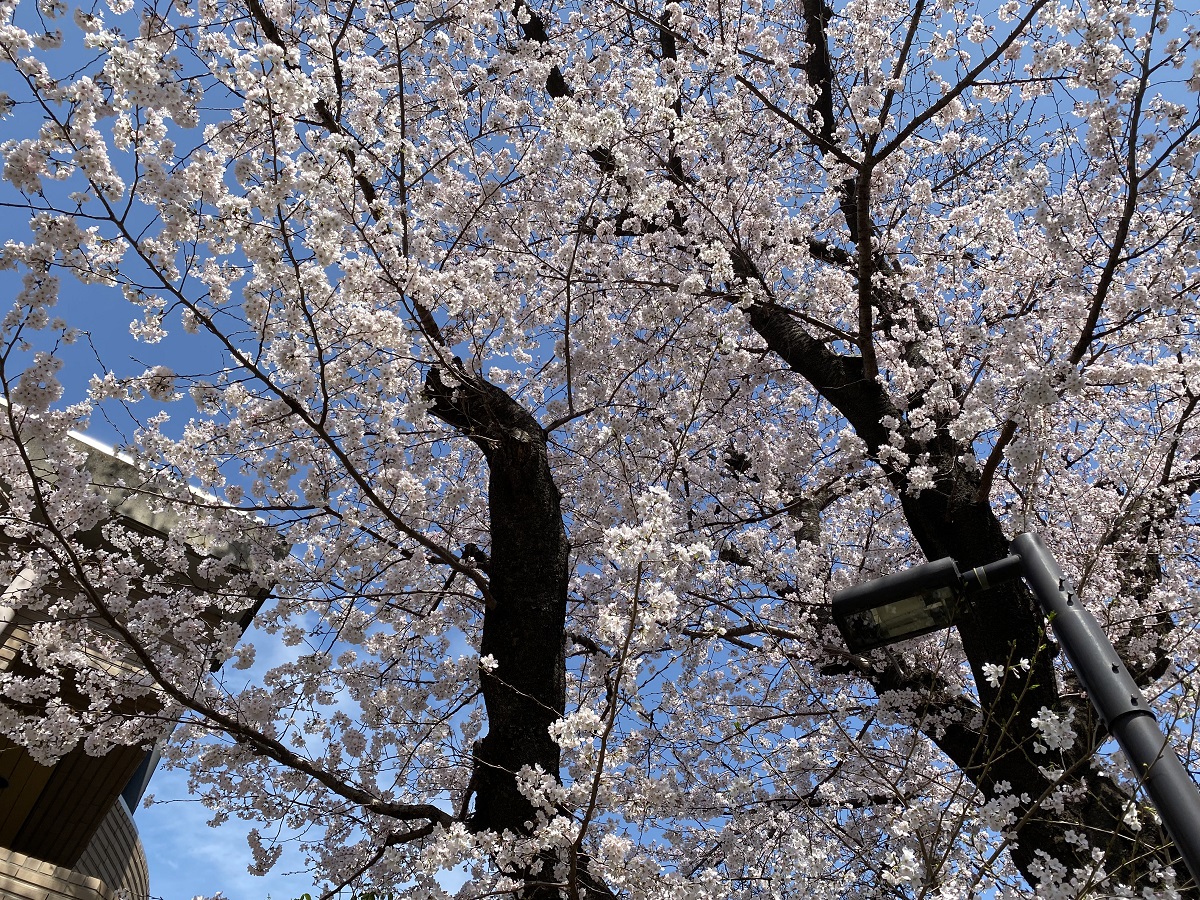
{"x": 929, "y": 597}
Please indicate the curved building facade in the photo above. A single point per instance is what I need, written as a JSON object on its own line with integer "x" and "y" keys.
{"x": 115, "y": 856}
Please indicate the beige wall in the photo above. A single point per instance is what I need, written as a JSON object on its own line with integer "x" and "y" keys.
{"x": 25, "y": 878}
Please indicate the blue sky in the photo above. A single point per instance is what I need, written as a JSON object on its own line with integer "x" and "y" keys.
{"x": 189, "y": 858}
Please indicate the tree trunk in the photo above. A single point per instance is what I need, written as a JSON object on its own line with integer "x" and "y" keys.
{"x": 524, "y": 628}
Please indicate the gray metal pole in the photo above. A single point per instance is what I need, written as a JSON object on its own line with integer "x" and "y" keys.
{"x": 1117, "y": 698}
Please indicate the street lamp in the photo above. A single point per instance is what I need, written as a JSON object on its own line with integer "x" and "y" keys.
{"x": 929, "y": 597}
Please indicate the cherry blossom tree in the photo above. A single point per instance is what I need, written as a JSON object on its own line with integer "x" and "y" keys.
{"x": 579, "y": 352}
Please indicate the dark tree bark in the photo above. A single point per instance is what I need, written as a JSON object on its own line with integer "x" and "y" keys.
{"x": 523, "y": 630}
{"x": 524, "y": 627}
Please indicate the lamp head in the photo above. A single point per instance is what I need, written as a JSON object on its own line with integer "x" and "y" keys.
{"x": 900, "y": 606}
